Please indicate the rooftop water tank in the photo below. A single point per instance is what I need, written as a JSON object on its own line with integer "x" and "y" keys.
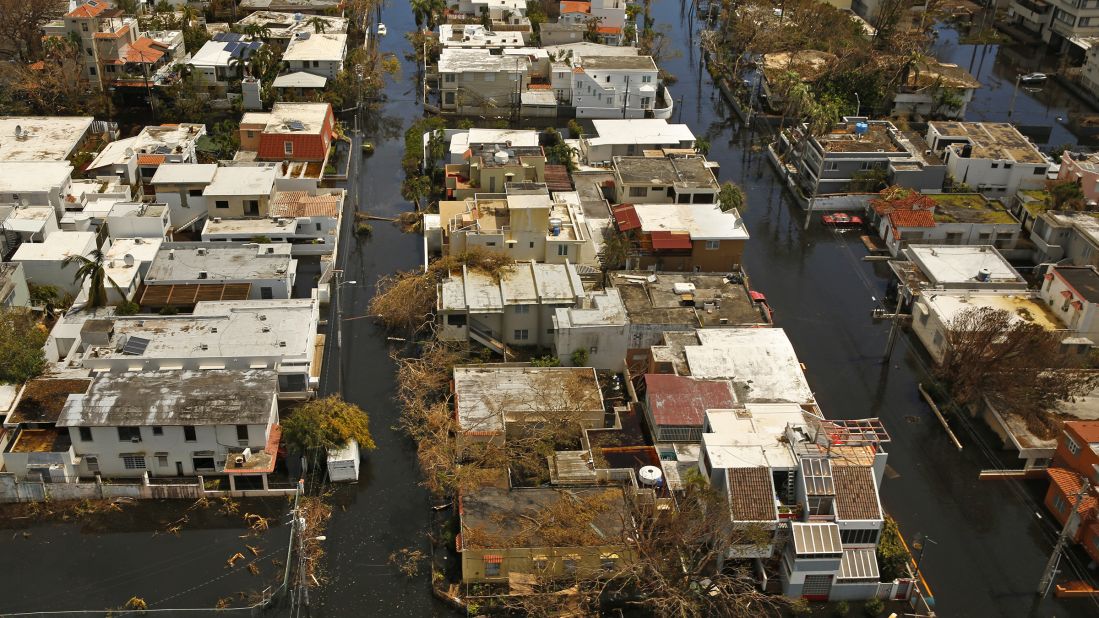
{"x": 650, "y": 476}
{"x": 984, "y": 274}
{"x": 861, "y": 128}
{"x": 683, "y": 288}
{"x": 555, "y": 226}
{"x": 501, "y": 157}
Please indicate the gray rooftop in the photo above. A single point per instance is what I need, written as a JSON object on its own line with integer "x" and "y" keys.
{"x": 618, "y": 63}
{"x": 212, "y": 397}
{"x": 487, "y": 396}
{"x": 220, "y": 261}
{"x": 689, "y": 172}
{"x": 656, "y": 302}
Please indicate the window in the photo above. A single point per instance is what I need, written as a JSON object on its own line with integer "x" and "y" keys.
{"x": 1039, "y": 171}
{"x": 713, "y": 244}
{"x": 194, "y": 192}
{"x": 316, "y": 64}
{"x": 89, "y": 50}
{"x": 490, "y": 244}
{"x": 608, "y": 79}
{"x": 1071, "y": 445}
{"x": 242, "y": 433}
{"x": 203, "y": 463}
{"x": 1063, "y": 17}
{"x": 938, "y": 339}
{"x": 221, "y": 204}
{"x": 318, "y": 226}
{"x": 831, "y": 166}
{"x": 84, "y": 26}
{"x": 521, "y": 334}
{"x": 1059, "y": 504}
{"x": 490, "y": 77}
{"x": 288, "y": 147}
{"x": 449, "y": 78}
{"x": 158, "y": 430}
{"x": 266, "y": 293}
{"x": 133, "y": 462}
{"x": 646, "y": 101}
{"x": 492, "y": 569}
{"x": 85, "y": 434}
{"x": 1007, "y": 166}
{"x": 92, "y": 461}
{"x": 522, "y": 308}
{"x": 859, "y": 537}
{"x": 995, "y": 165}
{"x": 570, "y": 565}
{"x": 532, "y": 244}
{"x": 129, "y": 434}
{"x": 562, "y": 249}
{"x": 91, "y": 70}
{"x": 645, "y": 79}
{"x": 162, "y": 460}
{"x": 189, "y": 433}
{"x": 639, "y": 191}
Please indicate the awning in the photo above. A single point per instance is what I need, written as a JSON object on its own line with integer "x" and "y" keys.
{"x": 493, "y": 559}
{"x": 859, "y": 563}
{"x": 1066, "y": 293}
{"x": 626, "y": 218}
{"x": 671, "y": 240}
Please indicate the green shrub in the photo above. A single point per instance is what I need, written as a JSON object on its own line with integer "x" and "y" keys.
{"x": 873, "y": 608}
{"x": 580, "y": 357}
{"x": 364, "y": 229}
{"x": 169, "y": 310}
{"x": 545, "y": 361}
{"x": 841, "y": 609}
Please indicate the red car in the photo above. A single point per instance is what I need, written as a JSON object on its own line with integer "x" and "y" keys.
{"x": 842, "y": 219}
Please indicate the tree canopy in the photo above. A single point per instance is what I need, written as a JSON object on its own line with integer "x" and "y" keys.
{"x": 21, "y": 341}
{"x": 326, "y": 424}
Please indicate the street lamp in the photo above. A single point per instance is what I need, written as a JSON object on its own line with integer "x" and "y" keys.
{"x": 339, "y": 324}
{"x": 922, "y": 546}
{"x": 858, "y": 104}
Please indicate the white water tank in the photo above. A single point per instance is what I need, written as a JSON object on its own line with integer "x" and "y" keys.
{"x": 683, "y": 288}
{"x": 501, "y": 157}
{"x": 128, "y": 259}
{"x": 650, "y": 476}
{"x": 984, "y": 274}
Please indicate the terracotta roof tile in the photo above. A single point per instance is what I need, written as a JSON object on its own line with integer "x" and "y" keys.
{"x": 150, "y": 159}
{"x": 1068, "y": 482}
{"x": 751, "y": 494}
{"x": 89, "y": 9}
{"x": 144, "y": 50}
{"x": 1087, "y": 430}
{"x": 856, "y": 493}
{"x": 571, "y": 6}
{"x": 302, "y": 204}
{"x": 912, "y": 218}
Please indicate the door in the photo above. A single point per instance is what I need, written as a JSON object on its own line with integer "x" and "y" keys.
{"x": 816, "y": 587}
{"x": 179, "y": 468}
{"x": 266, "y": 293}
{"x": 251, "y": 207}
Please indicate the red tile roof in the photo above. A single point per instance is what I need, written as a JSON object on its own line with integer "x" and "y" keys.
{"x": 144, "y": 50}
{"x": 751, "y": 494}
{"x": 112, "y": 35}
{"x": 89, "y": 9}
{"x": 912, "y": 218}
{"x": 302, "y": 204}
{"x": 150, "y": 159}
{"x": 557, "y": 177}
{"x": 1068, "y": 482}
{"x": 856, "y": 494}
{"x": 1087, "y": 430}
{"x": 571, "y": 6}
{"x": 608, "y": 30}
{"x": 670, "y": 240}
{"x": 676, "y": 400}
{"x": 626, "y": 217}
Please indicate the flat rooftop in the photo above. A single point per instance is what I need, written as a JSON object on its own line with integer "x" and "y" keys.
{"x": 616, "y": 63}
{"x": 43, "y": 399}
{"x": 753, "y": 435}
{"x": 162, "y": 140}
{"x": 761, "y": 362}
{"x": 878, "y": 138}
{"x": 136, "y": 251}
{"x": 313, "y": 46}
{"x": 283, "y": 25}
{"x": 690, "y": 172}
{"x": 33, "y": 176}
{"x": 953, "y": 265}
{"x": 184, "y": 173}
{"x": 599, "y": 309}
{"x": 56, "y": 247}
{"x": 1083, "y": 279}
{"x": 220, "y": 262}
{"x": 639, "y": 131}
{"x": 249, "y": 227}
{"x": 243, "y": 180}
{"x": 41, "y": 138}
{"x": 284, "y": 118}
{"x": 808, "y": 64}
{"x": 999, "y": 141}
{"x": 700, "y": 221}
{"x": 495, "y": 517}
{"x": 1021, "y": 306}
{"x": 461, "y": 60}
{"x": 210, "y": 397}
{"x": 486, "y": 396}
{"x": 524, "y": 283}
{"x": 969, "y": 208}
{"x": 40, "y": 441}
{"x": 682, "y": 401}
{"x": 273, "y": 329}
{"x": 715, "y": 302}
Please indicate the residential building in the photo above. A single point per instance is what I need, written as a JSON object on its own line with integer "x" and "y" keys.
{"x": 286, "y": 25}
{"x": 280, "y": 335}
{"x": 633, "y": 137}
{"x": 953, "y": 219}
{"x": 306, "y": 7}
{"x": 1064, "y": 24}
{"x": 26, "y": 224}
{"x": 1066, "y": 236}
{"x": 926, "y": 269}
{"x": 266, "y": 270}
{"x": 309, "y": 221}
{"x": 664, "y": 180}
{"x": 172, "y": 423}
{"x": 517, "y": 309}
{"x": 36, "y": 183}
{"x": 463, "y": 142}
{"x": 43, "y": 262}
{"x": 682, "y": 237}
{"x": 1072, "y": 293}
{"x": 180, "y": 186}
{"x": 126, "y": 264}
{"x": 321, "y": 54}
{"x": 487, "y": 398}
{"x": 471, "y": 36}
{"x": 476, "y": 81}
{"x": 138, "y": 220}
{"x": 298, "y": 85}
{"x": 660, "y": 302}
{"x": 992, "y": 157}
{"x": 489, "y": 168}
{"x": 13, "y": 286}
{"x": 606, "y": 17}
{"x": 1076, "y": 460}
{"x": 34, "y": 447}
{"x": 1083, "y": 169}
{"x": 49, "y": 138}
{"x": 598, "y": 327}
{"x": 135, "y": 159}
{"x": 1089, "y": 73}
{"x": 244, "y": 191}
{"x": 623, "y": 85}
{"x": 508, "y": 11}
{"x": 855, "y": 150}
{"x": 289, "y": 132}
{"x": 525, "y": 223}
{"x": 935, "y": 89}
{"x": 560, "y": 33}
{"x": 224, "y": 59}
{"x": 495, "y": 543}
{"x": 675, "y": 406}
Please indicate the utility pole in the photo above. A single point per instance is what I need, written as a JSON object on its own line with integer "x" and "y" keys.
{"x": 1015, "y": 93}
{"x": 1054, "y": 558}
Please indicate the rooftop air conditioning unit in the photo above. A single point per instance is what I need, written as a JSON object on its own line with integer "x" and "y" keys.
{"x": 201, "y": 251}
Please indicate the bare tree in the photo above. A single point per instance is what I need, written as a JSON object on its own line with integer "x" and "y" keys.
{"x": 21, "y": 24}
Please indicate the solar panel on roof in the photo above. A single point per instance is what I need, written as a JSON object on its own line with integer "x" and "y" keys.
{"x": 136, "y": 346}
{"x": 296, "y": 125}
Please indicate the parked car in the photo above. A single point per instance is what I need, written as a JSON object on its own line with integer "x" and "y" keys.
{"x": 842, "y": 219}
{"x": 1034, "y": 78}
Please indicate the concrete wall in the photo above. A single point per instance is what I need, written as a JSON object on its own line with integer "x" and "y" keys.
{"x": 234, "y": 205}
{"x": 184, "y": 207}
{"x": 13, "y": 490}
{"x": 606, "y": 345}
{"x": 587, "y": 560}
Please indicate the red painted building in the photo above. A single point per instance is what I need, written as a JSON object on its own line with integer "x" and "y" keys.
{"x": 289, "y": 132}
{"x": 1077, "y": 458}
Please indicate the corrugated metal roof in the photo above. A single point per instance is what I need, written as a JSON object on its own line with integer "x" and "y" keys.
{"x": 679, "y": 401}
{"x": 816, "y": 538}
{"x": 625, "y": 216}
{"x": 670, "y": 240}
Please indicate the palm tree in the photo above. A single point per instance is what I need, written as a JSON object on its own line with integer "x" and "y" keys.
{"x": 319, "y": 24}
{"x": 263, "y": 60}
{"x": 239, "y": 63}
{"x": 92, "y": 269}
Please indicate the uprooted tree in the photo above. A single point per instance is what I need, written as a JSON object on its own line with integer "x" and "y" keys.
{"x": 1014, "y": 362}
{"x": 326, "y": 424}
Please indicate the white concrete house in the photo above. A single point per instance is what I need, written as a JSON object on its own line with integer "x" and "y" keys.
{"x": 43, "y": 262}
{"x": 598, "y": 326}
{"x": 614, "y": 87}
{"x": 172, "y": 423}
{"x": 307, "y": 221}
{"x": 138, "y": 220}
{"x": 180, "y": 186}
{"x": 223, "y": 59}
{"x": 127, "y": 262}
{"x": 1072, "y": 293}
{"x": 992, "y": 157}
{"x": 632, "y": 137}
{"x": 136, "y": 159}
{"x": 319, "y": 54}
{"x": 267, "y": 269}
{"x": 35, "y": 183}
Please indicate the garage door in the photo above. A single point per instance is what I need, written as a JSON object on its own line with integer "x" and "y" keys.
{"x": 816, "y": 587}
